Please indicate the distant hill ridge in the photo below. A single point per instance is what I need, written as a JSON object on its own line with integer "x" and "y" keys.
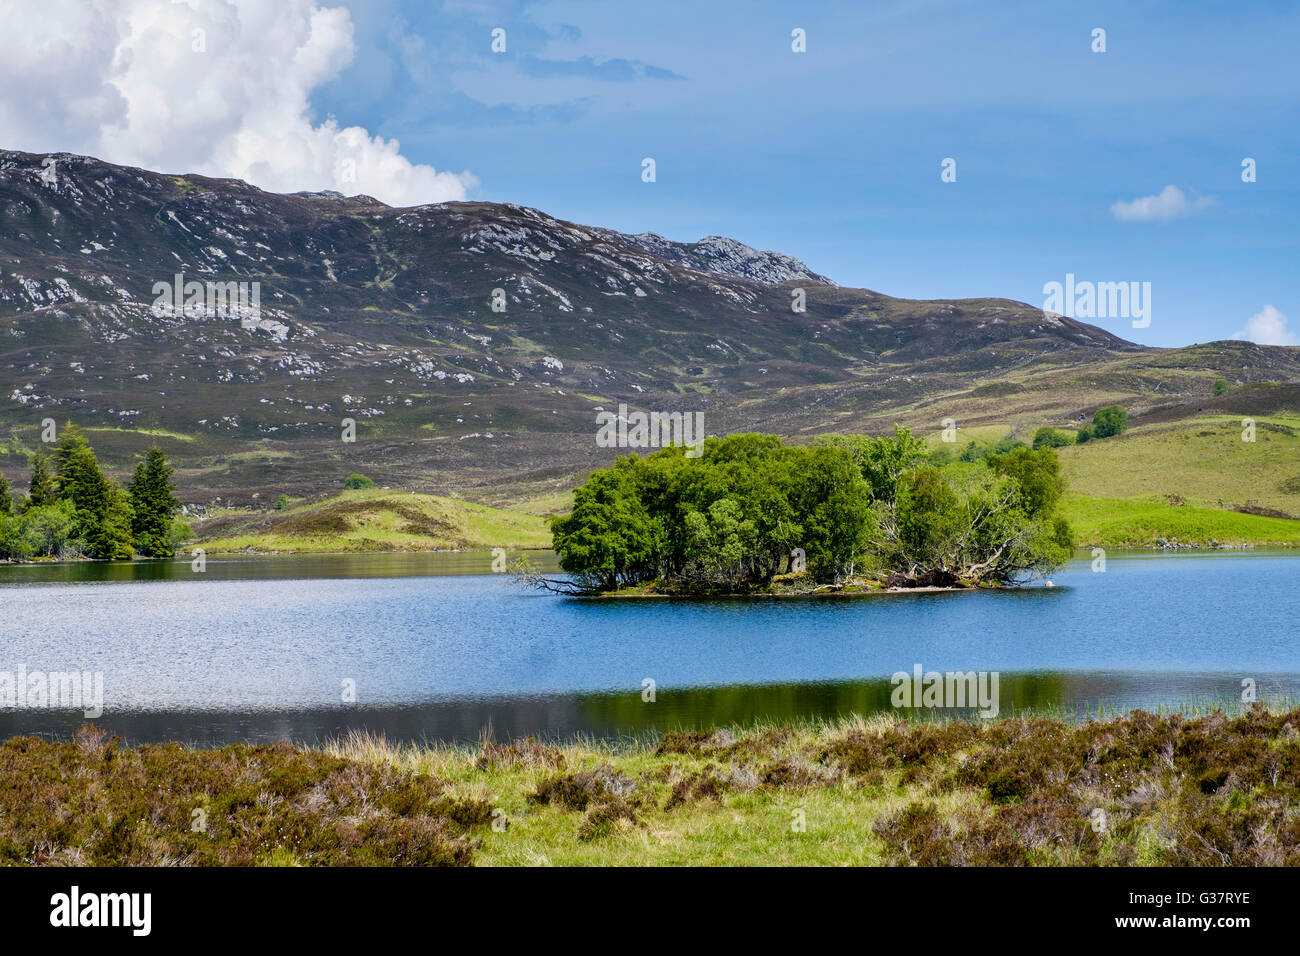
{"x": 386, "y": 315}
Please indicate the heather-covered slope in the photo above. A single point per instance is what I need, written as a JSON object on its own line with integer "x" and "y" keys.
{"x": 385, "y": 316}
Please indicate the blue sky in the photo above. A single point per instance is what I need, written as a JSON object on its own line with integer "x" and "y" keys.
{"x": 833, "y": 155}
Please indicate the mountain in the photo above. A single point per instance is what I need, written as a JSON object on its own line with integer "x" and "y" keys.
{"x": 385, "y": 315}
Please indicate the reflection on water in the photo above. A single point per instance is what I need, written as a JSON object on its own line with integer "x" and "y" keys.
{"x": 260, "y": 648}
{"x": 236, "y": 567}
{"x": 614, "y": 716}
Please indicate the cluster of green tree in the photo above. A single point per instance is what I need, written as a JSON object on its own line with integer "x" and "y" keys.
{"x": 1108, "y": 421}
{"x": 977, "y": 452}
{"x": 1049, "y": 437}
{"x": 750, "y": 508}
{"x": 72, "y": 509}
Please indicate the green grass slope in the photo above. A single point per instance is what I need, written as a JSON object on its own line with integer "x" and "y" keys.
{"x": 1193, "y": 481}
{"x": 374, "y": 520}
{"x": 1202, "y": 461}
{"x": 1141, "y": 523}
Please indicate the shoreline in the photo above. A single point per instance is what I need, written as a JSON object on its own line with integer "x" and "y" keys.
{"x": 1081, "y": 554}
{"x": 778, "y": 595}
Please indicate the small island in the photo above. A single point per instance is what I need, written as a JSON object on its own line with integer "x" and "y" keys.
{"x": 843, "y": 514}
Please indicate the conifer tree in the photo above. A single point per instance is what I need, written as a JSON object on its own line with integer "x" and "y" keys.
{"x": 41, "y": 491}
{"x": 153, "y": 504}
{"x": 102, "y": 518}
{"x": 70, "y": 440}
{"x": 111, "y": 539}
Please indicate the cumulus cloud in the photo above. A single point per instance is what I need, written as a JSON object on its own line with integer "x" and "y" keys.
{"x": 1170, "y": 203}
{"x": 217, "y": 87}
{"x": 1268, "y": 326}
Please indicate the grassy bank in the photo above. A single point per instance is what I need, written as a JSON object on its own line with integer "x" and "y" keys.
{"x": 1142, "y": 789}
{"x": 374, "y": 520}
{"x": 1142, "y": 522}
{"x": 1200, "y": 461}
{"x": 1192, "y": 480}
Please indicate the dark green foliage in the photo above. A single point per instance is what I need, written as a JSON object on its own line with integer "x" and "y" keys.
{"x": 354, "y": 481}
{"x": 1110, "y": 420}
{"x": 110, "y": 538}
{"x": 41, "y": 490}
{"x": 282, "y": 502}
{"x": 1049, "y": 437}
{"x": 751, "y": 508}
{"x": 1083, "y": 435}
{"x": 976, "y": 452}
{"x": 1038, "y": 473}
{"x": 76, "y": 511}
{"x": 833, "y": 505}
{"x": 38, "y": 532}
{"x": 153, "y": 504}
{"x": 982, "y": 522}
{"x": 102, "y": 517}
{"x": 1220, "y": 387}
{"x": 730, "y": 520}
{"x": 941, "y": 456}
{"x": 1006, "y": 786}
{"x": 6, "y": 499}
{"x": 609, "y": 538}
{"x": 70, "y": 441}
{"x": 882, "y": 461}
{"x": 929, "y": 514}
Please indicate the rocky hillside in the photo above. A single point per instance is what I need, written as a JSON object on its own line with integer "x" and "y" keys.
{"x": 474, "y": 342}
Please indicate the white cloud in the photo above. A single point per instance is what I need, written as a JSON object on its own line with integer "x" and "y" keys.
{"x": 1268, "y": 326}
{"x": 126, "y": 80}
{"x": 1170, "y": 203}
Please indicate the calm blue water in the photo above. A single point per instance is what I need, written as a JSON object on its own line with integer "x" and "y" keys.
{"x": 262, "y": 648}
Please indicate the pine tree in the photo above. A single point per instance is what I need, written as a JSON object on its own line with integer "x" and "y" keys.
{"x": 111, "y": 539}
{"x": 41, "y": 491}
{"x": 154, "y": 503}
{"x": 102, "y": 518}
{"x": 70, "y": 441}
{"x": 6, "y": 502}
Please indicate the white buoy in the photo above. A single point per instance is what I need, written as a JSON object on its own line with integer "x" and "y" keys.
{"x": 1050, "y": 584}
